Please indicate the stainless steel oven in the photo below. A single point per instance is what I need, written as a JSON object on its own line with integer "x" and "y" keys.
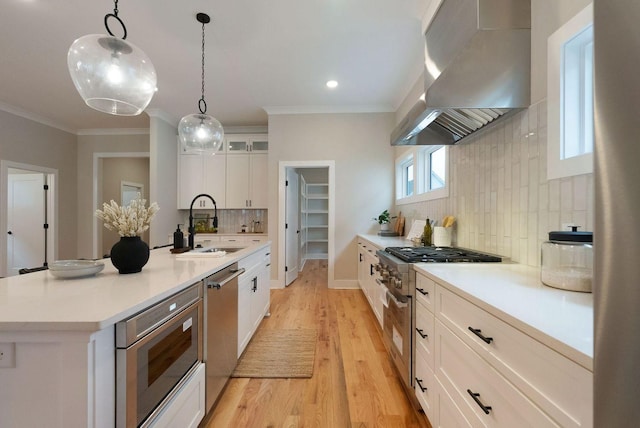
{"x": 156, "y": 352}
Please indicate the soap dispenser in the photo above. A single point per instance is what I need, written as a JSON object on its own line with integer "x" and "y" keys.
{"x": 178, "y": 238}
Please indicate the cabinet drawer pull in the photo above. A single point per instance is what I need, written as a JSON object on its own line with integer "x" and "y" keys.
{"x": 478, "y": 333}
{"x": 421, "y": 333}
{"x": 476, "y": 398}
{"x": 419, "y": 382}
{"x": 422, "y": 291}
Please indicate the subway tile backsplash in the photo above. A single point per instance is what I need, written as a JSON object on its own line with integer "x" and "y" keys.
{"x": 231, "y": 221}
{"x": 499, "y": 192}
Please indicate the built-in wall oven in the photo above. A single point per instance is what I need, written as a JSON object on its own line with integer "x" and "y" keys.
{"x": 398, "y": 276}
{"x": 156, "y": 352}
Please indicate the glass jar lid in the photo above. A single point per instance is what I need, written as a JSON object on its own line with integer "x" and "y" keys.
{"x": 571, "y": 235}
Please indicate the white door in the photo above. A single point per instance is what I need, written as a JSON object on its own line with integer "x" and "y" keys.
{"x": 291, "y": 229}
{"x": 25, "y": 222}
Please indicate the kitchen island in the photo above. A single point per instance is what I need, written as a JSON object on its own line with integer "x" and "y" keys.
{"x": 57, "y": 336}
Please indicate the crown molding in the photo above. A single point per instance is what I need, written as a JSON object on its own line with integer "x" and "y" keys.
{"x": 250, "y": 129}
{"x": 114, "y": 131}
{"x": 17, "y": 111}
{"x": 161, "y": 114}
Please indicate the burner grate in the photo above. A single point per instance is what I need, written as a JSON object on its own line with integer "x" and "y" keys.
{"x": 440, "y": 255}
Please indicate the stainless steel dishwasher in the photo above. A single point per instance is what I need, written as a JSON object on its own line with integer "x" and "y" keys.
{"x": 220, "y": 329}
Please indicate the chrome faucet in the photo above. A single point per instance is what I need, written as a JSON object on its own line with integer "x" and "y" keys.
{"x": 192, "y": 230}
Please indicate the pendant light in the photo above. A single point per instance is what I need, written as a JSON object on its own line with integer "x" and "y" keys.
{"x": 112, "y": 75}
{"x": 200, "y": 132}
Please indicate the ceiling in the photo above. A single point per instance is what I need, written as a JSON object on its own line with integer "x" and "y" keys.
{"x": 261, "y": 56}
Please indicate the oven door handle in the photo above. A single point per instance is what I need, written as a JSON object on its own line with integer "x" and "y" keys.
{"x": 392, "y": 298}
{"x": 217, "y": 284}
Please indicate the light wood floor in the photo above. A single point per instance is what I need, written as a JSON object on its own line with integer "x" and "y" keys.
{"x": 354, "y": 383}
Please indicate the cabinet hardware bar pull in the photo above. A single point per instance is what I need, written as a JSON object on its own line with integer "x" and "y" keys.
{"x": 421, "y": 333}
{"x": 478, "y": 333}
{"x": 419, "y": 382}
{"x": 475, "y": 396}
{"x": 422, "y": 291}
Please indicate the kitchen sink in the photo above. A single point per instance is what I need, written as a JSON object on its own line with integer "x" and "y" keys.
{"x": 217, "y": 249}
{"x": 209, "y": 252}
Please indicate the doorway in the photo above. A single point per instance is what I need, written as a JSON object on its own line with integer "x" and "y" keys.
{"x": 28, "y": 206}
{"x": 110, "y": 172}
{"x": 306, "y": 216}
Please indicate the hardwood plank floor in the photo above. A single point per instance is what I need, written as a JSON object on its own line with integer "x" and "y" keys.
{"x": 354, "y": 383}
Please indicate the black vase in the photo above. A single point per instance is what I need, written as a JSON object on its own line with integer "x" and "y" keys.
{"x": 130, "y": 254}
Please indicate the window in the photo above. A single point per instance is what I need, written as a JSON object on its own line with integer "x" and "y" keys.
{"x": 422, "y": 179}
{"x": 406, "y": 177}
{"x": 570, "y": 97}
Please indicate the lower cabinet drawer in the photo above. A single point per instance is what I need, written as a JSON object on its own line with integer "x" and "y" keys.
{"x": 449, "y": 415}
{"x": 188, "y": 407}
{"x": 485, "y": 397}
{"x": 559, "y": 386}
{"x": 424, "y": 333}
{"x": 425, "y": 291}
{"x": 425, "y": 388}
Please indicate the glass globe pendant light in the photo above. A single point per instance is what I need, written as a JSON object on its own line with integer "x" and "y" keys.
{"x": 200, "y": 132}
{"x": 112, "y": 75}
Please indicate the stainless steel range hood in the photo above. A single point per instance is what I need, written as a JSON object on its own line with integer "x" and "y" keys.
{"x": 477, "y": 68}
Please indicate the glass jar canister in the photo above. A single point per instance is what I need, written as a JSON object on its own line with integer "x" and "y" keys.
{"x": 567, "y": 260}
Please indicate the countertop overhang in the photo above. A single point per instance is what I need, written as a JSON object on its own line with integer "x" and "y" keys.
{"x": 40, "y": 302}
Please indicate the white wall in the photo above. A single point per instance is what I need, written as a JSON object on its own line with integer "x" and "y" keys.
{"x": 164, "y": 179}
{"x": 359, "y": 145}
{"x": 25, "y": 141}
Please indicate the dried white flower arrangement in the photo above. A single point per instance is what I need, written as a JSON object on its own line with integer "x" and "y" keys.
{"x": 131, "y": 220}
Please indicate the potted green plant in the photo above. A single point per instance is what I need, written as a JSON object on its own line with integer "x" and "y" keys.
{"x": 383, "y": 220}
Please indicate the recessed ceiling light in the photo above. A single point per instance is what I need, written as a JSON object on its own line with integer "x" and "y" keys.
{"x": 332, "y": 84}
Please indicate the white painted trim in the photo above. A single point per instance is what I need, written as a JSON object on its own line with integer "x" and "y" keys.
{"x": 161, "y": 114}
{"x": 345, "y": 284}
{"x": 114, "y": 131}
{"x": 52, "y": 248}
{"x": 96, "y": 158}
{"x": 275, "y": 110}
{"x": 556, "y": 166}
{"x": 34, "y": 117}
{"x": 258, "y": 129}
{"x": 282, "y": 174}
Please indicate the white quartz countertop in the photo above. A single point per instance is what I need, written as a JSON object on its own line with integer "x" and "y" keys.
{"x": 383, "y": 242}
{"x": 562, "y": 320}
{"x": 39, "y": 302}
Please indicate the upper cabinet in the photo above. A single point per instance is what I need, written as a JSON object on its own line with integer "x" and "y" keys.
{"x": 201, "y": 174}
{"x": 247, "y": 171}
{"x": 236, "y": 176}
{"x": 247, "y": 143}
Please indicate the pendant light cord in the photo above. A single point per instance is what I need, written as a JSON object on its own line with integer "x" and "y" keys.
{"x": 115, "y": 16}
{"x": 202, "y": 101}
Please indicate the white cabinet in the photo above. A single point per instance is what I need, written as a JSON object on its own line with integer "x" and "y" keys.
{"x": 239, "y": 240}
{"x": 488, "y": 372}
{"x": 425, "y": 382}
{"x": 314, "y": 213}
{"x": 253, "y": 295}
{"x": 201, "y": 174}
{"x": 247, "y": 172}
{"x": 367, "y": 278}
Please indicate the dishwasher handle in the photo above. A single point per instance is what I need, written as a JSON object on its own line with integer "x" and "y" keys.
{"x": 217, "y": 284}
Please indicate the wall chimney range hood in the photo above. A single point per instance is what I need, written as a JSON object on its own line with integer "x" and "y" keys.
{"x": 477, "y": 69}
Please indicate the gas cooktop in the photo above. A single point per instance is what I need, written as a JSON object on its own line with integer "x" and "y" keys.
{"x": 439, "y": 255}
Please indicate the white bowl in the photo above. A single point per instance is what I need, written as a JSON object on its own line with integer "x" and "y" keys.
{"x": 75, "y": 268}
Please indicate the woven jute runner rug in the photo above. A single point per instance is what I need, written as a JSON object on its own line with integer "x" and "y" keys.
{"x": 279, "y": 354}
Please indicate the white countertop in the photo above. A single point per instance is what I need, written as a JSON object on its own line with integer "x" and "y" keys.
{"x": 562, "y": 320}
{"x": 39, "y": 302}
{"x": 383, "y": 242}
